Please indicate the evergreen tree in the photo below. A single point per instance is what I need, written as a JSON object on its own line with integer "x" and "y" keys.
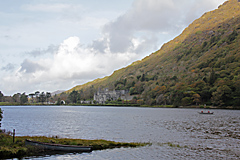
{"x": 42, "y": 97}
{"x": 1, "y": 116}
{"x": 37, "y": 96}
{"x": 212, "y": 77}
{"x": 143, "y": 78}
{"x": 1, "y": 97}
{"x": 23, "y": 98}
{"x": 73, "y": 96}
{"x": 48, "y": 95}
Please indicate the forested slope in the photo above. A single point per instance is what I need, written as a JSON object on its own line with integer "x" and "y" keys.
{"x": 200, "y": 66}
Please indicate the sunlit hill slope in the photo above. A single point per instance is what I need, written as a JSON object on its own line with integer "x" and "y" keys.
{"x": 200, "y": 66}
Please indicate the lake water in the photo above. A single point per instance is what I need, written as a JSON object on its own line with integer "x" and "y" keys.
{"x": 174, "y": 133}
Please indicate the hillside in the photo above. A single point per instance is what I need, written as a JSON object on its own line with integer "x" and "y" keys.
{"x": 200, "y": 66}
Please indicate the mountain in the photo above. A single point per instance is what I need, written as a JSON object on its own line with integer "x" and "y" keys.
{"x": 200, "y": 66}
{"x": 57, "y": 92}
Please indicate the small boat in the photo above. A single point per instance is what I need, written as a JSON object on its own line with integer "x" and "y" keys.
{"x": 208, "y": 112}
{"x": 59, "y": 147}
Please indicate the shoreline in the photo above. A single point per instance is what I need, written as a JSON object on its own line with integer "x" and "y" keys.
{"x": 128, "y": 105}
{"x": 18, "y": 149}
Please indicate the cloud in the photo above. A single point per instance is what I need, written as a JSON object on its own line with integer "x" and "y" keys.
{"x": 8, "y": 67}
{"x": 31, "y": 67}
{"x": 144, "y": 16}
{"x": 39, "y": 52}
{"x": 100, "y": 45}
{"x": 75, "y": 60}
{"x": 72, "y": 64}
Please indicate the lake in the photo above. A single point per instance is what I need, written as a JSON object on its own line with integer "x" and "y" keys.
{"x": 174, "y": 133}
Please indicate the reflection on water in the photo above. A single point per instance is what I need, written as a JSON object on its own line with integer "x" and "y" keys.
{"x": 174, "y": 133}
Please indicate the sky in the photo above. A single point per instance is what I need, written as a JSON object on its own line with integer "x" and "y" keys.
{"x": 49, "y": 45}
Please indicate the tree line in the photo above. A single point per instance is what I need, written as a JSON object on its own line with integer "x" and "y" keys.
{"x": 44, "y": 98}
{"x": 23, "y": 98}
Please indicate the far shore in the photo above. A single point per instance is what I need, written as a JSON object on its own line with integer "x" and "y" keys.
{"x": 125, "y": 105}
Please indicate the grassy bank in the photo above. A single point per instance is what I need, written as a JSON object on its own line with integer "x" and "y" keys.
{"x": 25, "y": 104}
{"x": 8, "y": 104}
{"x": 8, "y": 149}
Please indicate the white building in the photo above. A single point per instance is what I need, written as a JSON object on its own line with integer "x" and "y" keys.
{"x": 103, "y": 95}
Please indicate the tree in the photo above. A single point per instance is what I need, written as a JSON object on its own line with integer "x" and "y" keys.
{"x": 23, "y": 98}
{"x": 196, "y": 98}
{"x": 133, "y": 83}
{"x": 159, "y": 90}
{"x": 143, "y": 78}
{"x": 119, "y": 99}
{"x": 16, "y": 97}
{"x": 92, "y": 91}
{"x": 151, "y": 101}
{"x": 140, "y": 101}
{"x": 232, "y": 36}
{"x": 31, "y": 96}
{"x": 1, "y": 97}
{"x": 139, "y": 87}
{"x": 222, "y": 95}
{"x": 161, "y": 99}
{"x": 37, "y": 96}
{"x": 125, "y": 81}
{"x": 212, "y": 77}
{"x": 1, "y": 116}
{"x": 138, "y": 77}
{"x": 174, "y": 78}
{"x": 132, "y": 91}
{"x": 48, "y": 95}
{"x": 134, "y": 100}
{"x": 42, "y": 97}
{"x": 59, "y": 101}
{"x": 236, "y": 94}
{"x": 73, "y": 96}
{"x": 205, "y": 94}
{"x": 186, "y": 101}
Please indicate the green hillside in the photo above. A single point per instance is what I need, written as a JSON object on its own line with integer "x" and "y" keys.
{"x": 200, "y": 66}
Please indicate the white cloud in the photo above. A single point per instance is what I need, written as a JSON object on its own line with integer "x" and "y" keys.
{"x": 72, "y": 64}
{"x": 30, "y": 67}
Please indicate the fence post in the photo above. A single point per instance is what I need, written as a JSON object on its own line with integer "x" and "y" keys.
{"x": 13, "y": 135}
